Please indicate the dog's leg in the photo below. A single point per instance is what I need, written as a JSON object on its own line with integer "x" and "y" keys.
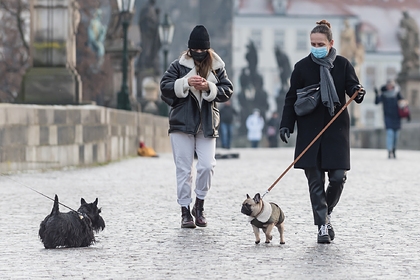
{"x": 267, "y": 232}
{"x": 257, "y": 234}
{"x": 281, "y": 231}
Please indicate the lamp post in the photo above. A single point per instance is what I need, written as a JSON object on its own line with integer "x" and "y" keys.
{"x": 125, "y": 8}
{"x": 166, "y": 33}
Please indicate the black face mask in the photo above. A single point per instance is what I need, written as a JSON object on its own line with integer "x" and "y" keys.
{"x": 198, "y": 56}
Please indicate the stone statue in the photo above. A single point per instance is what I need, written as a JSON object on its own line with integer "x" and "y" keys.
{"x": 285, "y": 73}
{"x": 252, "y": 57}
{"x": 359, "y": 58}
{"x": 410, "y": 45}
{"x": 96, "y": 36}
{"x": 252, "y": 94}
{"x": 150, "y": 41}
{"x": 284, "y": 67}
{"x": 348, "y": 46}
{"x": 114, "y": 30}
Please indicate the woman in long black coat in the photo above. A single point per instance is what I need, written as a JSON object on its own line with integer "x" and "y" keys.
{"x": 331, "y": 152}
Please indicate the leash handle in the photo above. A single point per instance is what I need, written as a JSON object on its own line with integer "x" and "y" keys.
{"x": 314, "y": 140}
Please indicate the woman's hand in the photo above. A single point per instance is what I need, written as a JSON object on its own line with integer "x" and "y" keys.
{"x": 199, "y": 83}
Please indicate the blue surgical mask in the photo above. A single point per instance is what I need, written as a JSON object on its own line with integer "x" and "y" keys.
{"x": 320, "y": 52}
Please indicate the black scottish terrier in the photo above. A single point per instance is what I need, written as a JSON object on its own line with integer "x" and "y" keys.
{"x": 72, "y": 229}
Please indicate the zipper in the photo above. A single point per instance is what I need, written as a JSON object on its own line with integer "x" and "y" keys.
{"x": 199, "y": 110}
{"x": 308, "y": 91}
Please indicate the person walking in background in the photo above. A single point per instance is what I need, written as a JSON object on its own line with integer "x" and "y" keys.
{"x": 389, "y": 97}
{"x": 330, "y": 154}
{"x": 273, "y": 130}
{"x": 254, "y": 124}
{"x": 227, "y": 114}
{"x": 191, "y": 87}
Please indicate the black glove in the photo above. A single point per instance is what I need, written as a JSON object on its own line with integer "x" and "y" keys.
{"x": 376, "y": 91}
{"x": 284, "y": 131}
{"x": 362, "y": 92}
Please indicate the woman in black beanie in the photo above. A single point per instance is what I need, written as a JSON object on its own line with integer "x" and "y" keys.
{"x": 191, "y": 87}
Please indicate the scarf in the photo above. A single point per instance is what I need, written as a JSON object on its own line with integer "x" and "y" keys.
{"x": 329, "y": 95}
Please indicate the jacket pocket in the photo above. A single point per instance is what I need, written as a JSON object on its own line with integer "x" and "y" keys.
{"x": 177, "y": 115}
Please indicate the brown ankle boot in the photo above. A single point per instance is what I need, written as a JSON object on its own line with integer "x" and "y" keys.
{"x": 187, "y": 220}
{"x": 197, "y": 212}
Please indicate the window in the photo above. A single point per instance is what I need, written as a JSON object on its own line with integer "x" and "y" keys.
{"x": 370, "y": 77}
{"x": 302, "y": 40}
{"x": 256, "y": 37}
{"x": 391, "y": 73}
{"x": 279, "y": 38}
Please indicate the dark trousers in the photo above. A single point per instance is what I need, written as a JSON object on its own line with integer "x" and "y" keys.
{"x": 226, "y": 134}
{"x": 323, "y": 202}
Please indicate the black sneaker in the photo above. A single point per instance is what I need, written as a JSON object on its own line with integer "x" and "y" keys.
{"x": 323, "y": 236}
{"x": 331, "y": 232}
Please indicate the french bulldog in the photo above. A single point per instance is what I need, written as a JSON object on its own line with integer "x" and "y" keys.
{"x": 265, "y": 216}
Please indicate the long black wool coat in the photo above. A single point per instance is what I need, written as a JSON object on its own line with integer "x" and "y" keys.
{"x": 332, "y": 149}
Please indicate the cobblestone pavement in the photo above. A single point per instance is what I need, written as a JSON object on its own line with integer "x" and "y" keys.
{"x": 377, "y": 222}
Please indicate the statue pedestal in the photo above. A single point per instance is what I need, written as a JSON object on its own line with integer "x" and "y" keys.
{"x": 410, "y": 89}
{"x": 51, "y": 85}
{"x": 53, "y": 78}
{"x": 116, "y": 55}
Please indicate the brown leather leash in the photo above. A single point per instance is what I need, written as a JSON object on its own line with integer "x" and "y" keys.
{"x": 313, "y": 141}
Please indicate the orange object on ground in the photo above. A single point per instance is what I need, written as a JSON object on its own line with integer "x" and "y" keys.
{"x": 144, "y": 151}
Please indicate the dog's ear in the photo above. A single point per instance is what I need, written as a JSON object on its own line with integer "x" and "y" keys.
{"x": 247, "y": 196}
{"x": 257, "y": 198}
{"x": 95, "y": 202}
{"x": 82, "y": 201}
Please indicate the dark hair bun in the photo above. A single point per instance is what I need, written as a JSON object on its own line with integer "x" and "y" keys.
{"x": 324, "y": 22}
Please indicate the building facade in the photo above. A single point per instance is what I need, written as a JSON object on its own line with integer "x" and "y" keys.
{"x": 287, "y": 25}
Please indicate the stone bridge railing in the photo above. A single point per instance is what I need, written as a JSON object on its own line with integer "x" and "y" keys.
{"x": 35, "y": 137}
{"x": 46, "y": 137}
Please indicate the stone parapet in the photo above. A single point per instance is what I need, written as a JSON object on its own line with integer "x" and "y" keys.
{"x": 45, "y": 137}
{"x": 409, "y": 137}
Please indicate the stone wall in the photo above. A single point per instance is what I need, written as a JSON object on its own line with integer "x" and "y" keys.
{"x": 44, "y": 137}
{"x": 36, "y": 137}
{"x": 409, "y": 138}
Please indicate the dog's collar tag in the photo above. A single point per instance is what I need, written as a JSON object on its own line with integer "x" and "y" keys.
{"x": 81, "y": 217}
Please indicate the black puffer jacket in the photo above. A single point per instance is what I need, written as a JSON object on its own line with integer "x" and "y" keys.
{"x": 189, "y": 107}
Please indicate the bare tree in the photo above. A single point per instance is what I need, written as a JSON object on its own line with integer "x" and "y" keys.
{"x": 14, "y": 48}
{"x": 15, "y": 51}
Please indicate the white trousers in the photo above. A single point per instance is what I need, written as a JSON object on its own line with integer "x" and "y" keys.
{"x": 183, "y": 147}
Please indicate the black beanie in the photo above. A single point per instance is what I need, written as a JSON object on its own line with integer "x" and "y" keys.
{"x": 199, "y": 38}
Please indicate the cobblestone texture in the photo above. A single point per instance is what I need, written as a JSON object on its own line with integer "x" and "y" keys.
{"x": 376, "y": 222}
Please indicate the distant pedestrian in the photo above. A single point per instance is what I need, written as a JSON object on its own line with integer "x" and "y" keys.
{"x": 272, "y": 131}
{"x": 227, "y": 115}
{"x": 191, "y": 87}
{"x": 389, "y": 97}
{"x": 255, "y": 125}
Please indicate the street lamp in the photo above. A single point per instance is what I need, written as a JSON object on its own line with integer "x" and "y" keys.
{"x": 166, "y": 33}
{"x": 125, "y": 8}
